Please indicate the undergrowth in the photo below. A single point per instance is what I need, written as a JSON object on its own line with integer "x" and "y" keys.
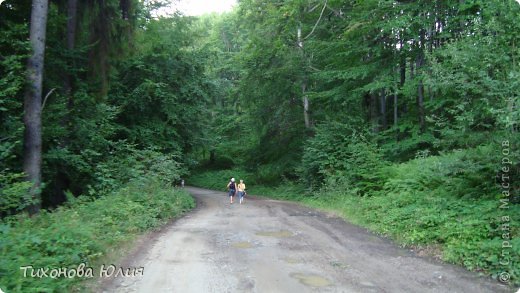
{"x": 84, "y": 231}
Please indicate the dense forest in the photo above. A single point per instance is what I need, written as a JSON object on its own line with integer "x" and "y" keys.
{"x": 401, "y": 115}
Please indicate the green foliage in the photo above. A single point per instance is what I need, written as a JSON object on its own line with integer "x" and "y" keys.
{"x": 458, "y": 173}
{"x": 12, "y": 66}
{"x": 14, "y": 196}
{"x": 218, "y": 180}
{"x": 477, "y": 79}
{"x": 341, "y": 155}
{"x": 69, "y": 236}
{"x": 123, "y": 93}
{"x": 164, "y": 82}
{"x": 127, "y": 164}
{"x": 73, "y": 152}
{"x": 14, "y": 50}
{"x": 268, "y": 175}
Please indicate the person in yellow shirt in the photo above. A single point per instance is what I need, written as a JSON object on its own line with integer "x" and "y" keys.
{"x": 241, "y": 190}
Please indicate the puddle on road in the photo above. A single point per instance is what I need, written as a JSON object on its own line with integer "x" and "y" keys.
{"x": 338, "y": 265}
{"x": 277, "y": 234}
{"x": 242, "y": 245}
{"x": 292, "y": 260}
{"x": 311, "y": 280}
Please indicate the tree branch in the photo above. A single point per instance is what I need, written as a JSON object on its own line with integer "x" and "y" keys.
{"x": 314, "y": 68}
{"x": 46, "y": 96}
{"x": 336, "y": 12}
{"x": 318, "y": 21}
{"x": 312, "y": 9}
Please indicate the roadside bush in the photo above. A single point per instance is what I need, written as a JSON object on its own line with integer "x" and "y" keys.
{"x": 471, "y": 173}
{"x": 85, "y": 231}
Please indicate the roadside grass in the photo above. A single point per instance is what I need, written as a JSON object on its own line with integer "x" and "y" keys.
{"x": 464, "y": 231}
{"x": 85, "y": 231}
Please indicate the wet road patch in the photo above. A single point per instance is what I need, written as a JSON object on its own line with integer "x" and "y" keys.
{"x": 311, "y": 280}
{"x": 338, "y": 265}
{"x": 242, "y": 245}
{"x": 276, "y": 234}
{"x": 292, "y": 260}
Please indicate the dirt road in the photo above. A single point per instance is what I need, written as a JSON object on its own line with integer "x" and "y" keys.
{"x": 273, "y": 246}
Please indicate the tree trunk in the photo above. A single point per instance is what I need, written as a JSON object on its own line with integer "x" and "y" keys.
{"x": 305, "y": 98}
{"x": 420, "y": 95}
{"x": 395, "y": 113}
{"x": 420, "y": 85}
{"x": 306, "y": 106}
{"x": 412, "y": 73}
{"x": 396, "y": 107}
{"x": 124, "y": 5}
{"x": 461, "y": 21}
{"x": 72, "y": 10}
{"x": 402, "y": 80}
{"x": 212, "y": 157}
{"x": 420, "y": 104}
{"x": 402, "y": 70}
{"x": 32, "y": 145}
{"x": 382, "y": 108}
{"x": 438, "y": 23}
{"x": 373, "y": 112}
